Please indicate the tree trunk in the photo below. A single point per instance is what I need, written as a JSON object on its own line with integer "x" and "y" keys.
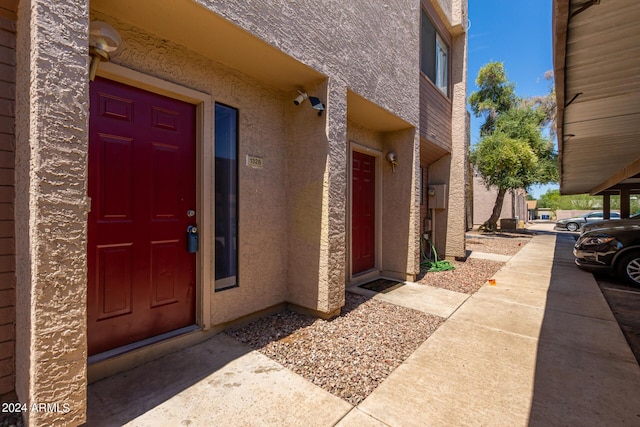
{"x": 492, "y": 222}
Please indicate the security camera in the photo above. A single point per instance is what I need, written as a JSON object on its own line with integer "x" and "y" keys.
{"x": 300, "y": 98}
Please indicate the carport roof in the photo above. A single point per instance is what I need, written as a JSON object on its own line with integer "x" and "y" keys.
{"x": 597, "y": 75}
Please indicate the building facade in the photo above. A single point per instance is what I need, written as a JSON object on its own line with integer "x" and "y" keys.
{"x": 484, "y": 199}
{"x": 183, "y": 190}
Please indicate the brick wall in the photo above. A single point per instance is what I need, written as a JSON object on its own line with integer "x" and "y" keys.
{"x": 7, "y": 155}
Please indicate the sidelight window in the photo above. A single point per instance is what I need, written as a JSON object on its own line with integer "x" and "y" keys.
{"x": 226, "y": 198}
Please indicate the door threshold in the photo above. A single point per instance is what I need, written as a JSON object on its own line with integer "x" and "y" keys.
{"x": 108, "y": 363}
{"x": 139, "y": 344}
{"x": 364, "y": 276}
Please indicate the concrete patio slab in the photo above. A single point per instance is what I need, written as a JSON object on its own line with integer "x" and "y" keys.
{"x": 218, "y": 382}
{"x": 537, "y": 351}
{"x": 358, "y": 418}
{"x": 586, "y": 334}
{"x": 427, "y": 299}
{"x": 504, "y": 291}
{"x": 579, "y": 388}
{"x": 490, "y": 257}
{"x": 463, "y": 375}
{"x": 539, "y": 348}
{"x": 509, "y": 316}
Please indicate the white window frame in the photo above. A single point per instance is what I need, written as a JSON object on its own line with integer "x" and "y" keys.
{"x": 442, "y": 65}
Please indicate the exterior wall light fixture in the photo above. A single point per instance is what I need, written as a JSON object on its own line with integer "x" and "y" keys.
{"x": 104, "y": 42}
{"x": 392, "y": 158}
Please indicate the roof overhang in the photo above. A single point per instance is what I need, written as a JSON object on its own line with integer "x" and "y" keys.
{"x": 597, "y": 75}
{"x": 201, "y": 30}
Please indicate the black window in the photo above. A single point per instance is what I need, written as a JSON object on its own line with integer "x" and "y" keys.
{"x": 226, "y": 199}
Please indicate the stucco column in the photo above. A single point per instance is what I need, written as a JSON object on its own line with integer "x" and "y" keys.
{"x": 456, "y": 208}
{"x": 51, "y": 209}
{"x": 336, "y": 197}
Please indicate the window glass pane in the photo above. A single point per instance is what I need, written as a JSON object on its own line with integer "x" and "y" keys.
{"x": 442, "y": 66}
{"x": 434, "y": 55}
{"x": 226, "y": 199}
{"x": 427, "y": 48}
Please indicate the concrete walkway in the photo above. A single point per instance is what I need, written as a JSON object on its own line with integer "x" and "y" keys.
{"x": 541, "y": 347}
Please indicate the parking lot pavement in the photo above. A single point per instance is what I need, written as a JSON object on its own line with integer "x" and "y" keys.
{"x": 624, "y": 301}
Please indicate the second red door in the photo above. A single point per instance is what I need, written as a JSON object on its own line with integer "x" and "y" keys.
{"x": 363, "y": 217}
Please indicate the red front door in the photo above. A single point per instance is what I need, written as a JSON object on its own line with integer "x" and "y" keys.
{"x": 142, "y": 177}
{"x": 363, "y": 219}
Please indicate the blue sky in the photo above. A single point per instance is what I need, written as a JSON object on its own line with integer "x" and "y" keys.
{"x": 518, "y": 33}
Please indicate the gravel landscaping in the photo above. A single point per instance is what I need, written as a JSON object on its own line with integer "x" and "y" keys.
{"x": 496, "y": 245}
{"x": 468, "y": 277}
{"x": 472, "y": 274}
{"x": 349, "y": 355}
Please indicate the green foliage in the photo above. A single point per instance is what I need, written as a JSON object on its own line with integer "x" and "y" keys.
{"x": 554, "y": 201}
{"x": 550, "y": 200}
{"x": 495, "y": 96}
{"x": 547, "y": 104}
{"x": 512, "y": 152}
{"x": 516, "y": 155}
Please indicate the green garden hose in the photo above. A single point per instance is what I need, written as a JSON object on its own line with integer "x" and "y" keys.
{"x": 435, "y": 265}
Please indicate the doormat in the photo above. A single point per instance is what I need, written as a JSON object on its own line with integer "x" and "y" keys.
{"x": 382, "y": 285}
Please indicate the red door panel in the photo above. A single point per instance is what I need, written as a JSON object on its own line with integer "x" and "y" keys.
{"x": 141, "y": 183}
{"x": 363, "y": 219}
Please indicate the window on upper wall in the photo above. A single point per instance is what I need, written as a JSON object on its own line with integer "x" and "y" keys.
{"x": 434, "y": 55}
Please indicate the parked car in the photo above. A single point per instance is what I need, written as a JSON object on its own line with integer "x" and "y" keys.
{"x": 633, "y": 219}
{"x": 614, "y": 250}
{"x": 574, "y": 224}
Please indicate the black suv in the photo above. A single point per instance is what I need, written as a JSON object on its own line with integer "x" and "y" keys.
{"x": 614, "y": 249}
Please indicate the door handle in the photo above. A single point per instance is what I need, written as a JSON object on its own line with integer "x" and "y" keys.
{"x": 192, "y": 239}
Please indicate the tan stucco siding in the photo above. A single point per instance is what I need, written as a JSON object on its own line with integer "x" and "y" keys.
{"x": 51, "y": 207}
{"x": 315, "y": 225}
{"x": 262, "y": 204}
{"x": 342, "y": 40}
{"x": 447, "y": 132}
{"x": 485, "y": 199}
{"x": 456, "y": 221}
{"x": 401, "y": 210}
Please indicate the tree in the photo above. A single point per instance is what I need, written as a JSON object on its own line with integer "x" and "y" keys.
{"x": 547, "y": 103}
{"x": 512, "y": 152}
{"x": 495, "y": 96}
{"x": 550, "y": 199}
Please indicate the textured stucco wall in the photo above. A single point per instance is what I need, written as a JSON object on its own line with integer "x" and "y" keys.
{"x": 309, "y": 183}
{"x": 401, "y": 210}
{"x": 339, "y": 40}
{"x": 307, "y": 217}
{"x": 439, "y": 174}
{"x": 449, "y": 225}
{"x": 335, "y": 198}
{"x": 292, "y": 212}
{"x": 485, "y": 199}
{"x": 51, "y": 208}
{"x": 262, "y": 192}
{"x": 343, "y": 41}
{"x": 456, "y": 224}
